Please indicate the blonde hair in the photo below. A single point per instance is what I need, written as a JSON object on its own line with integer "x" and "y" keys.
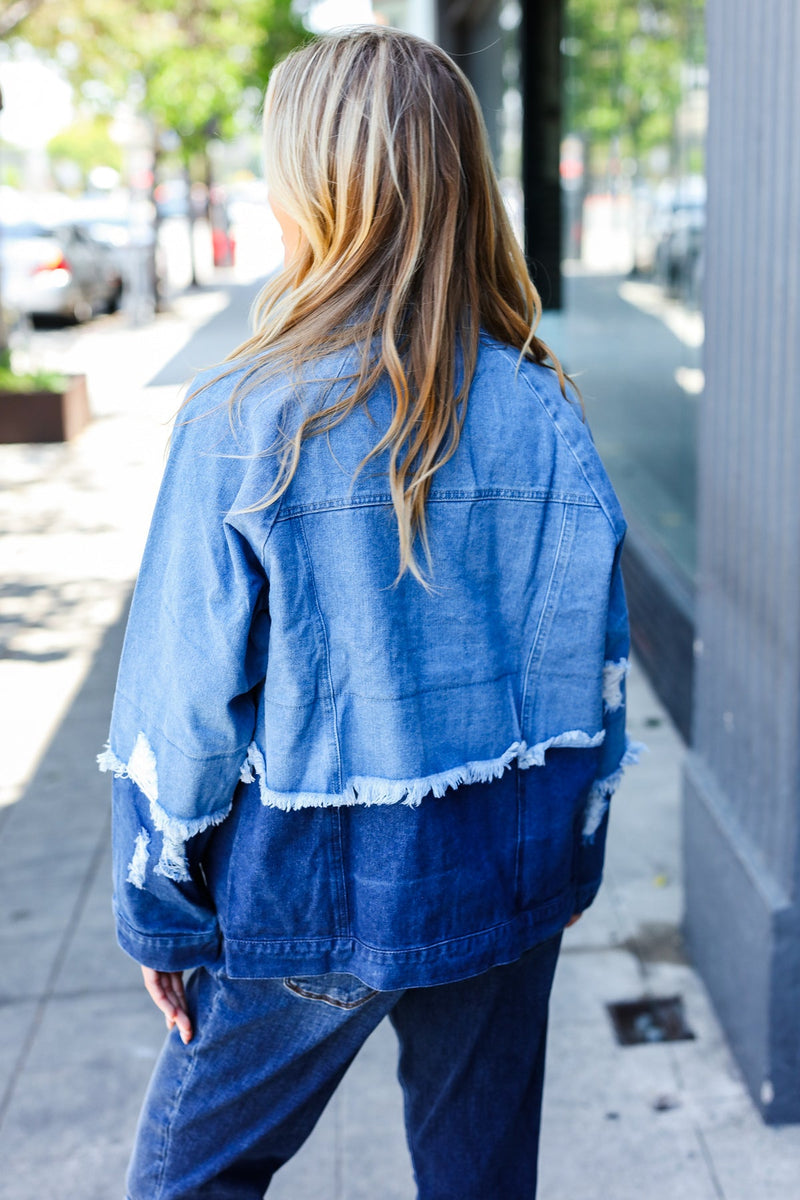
{"x": 375, "y": 145}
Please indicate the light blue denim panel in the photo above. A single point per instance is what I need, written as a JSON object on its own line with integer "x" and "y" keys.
{"x": 509, "y": 642}
{"x": 196, "y": 641}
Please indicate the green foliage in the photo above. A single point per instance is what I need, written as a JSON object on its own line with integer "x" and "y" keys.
{"x": 624, "y": 66}
{"x": 280, "y": 31}
{"x": 88, "y": 144}
{"x": 34, "y": 381}
{"x": 190, "y": 64}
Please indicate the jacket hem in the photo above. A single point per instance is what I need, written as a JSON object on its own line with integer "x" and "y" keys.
{"x": 586, "y": 894}
{"x": 392, "y": 969}
{"x": 172, "y": 952}
{"x": 370, "y": 790}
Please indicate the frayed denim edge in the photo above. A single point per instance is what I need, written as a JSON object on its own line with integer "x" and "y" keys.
{"x": 137, "y": 867}
{"x": 367, "y": 790}
{"x": 370, "y": 790}
{"x": 602, "y": 790}
{"x": 613, "y": 678}
{"x": 175, "y": 831}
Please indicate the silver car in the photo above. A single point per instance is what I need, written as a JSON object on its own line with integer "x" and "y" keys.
{"x": 57, "y": 272}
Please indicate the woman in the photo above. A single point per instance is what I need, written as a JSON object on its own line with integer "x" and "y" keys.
{"x": 370, "y": 708}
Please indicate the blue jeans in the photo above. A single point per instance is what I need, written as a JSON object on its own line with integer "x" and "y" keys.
{"x": 225, "y": 1112}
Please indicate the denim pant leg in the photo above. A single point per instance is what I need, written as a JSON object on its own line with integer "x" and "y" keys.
{"x": 223, "y": 1113}
{"x": 472, "y": 1070}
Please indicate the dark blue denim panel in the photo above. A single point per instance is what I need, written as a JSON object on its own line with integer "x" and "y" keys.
{"x": 276, "y": 875}
{"x": 551, "y": 810}
{"x": 169, "y": 924}
{"x": 421, "y": 876}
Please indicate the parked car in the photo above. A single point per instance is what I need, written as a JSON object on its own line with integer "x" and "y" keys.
{"x": 58, "y": 271}
{"x": 652, "y": 215}
{"x": 131, "y": 245}
{"x": 678, "y": 260}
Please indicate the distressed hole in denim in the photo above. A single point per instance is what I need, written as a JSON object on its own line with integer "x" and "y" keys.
{"x": 141, "y": 769}
{"x": 602, "y": 790}
{"x": 613, "y": 677}
{"x": 138, "y": 864}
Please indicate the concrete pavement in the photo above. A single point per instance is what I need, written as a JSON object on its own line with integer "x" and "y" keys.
{"x": 78, "y": 1035}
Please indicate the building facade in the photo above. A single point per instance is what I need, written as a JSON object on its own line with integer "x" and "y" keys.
{"x": 701, "y": 438}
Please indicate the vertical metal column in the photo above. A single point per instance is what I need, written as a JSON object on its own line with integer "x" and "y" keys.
{"x": 742, "y": 780}
{"x": 541, "y": 32}
{"x": 470, "y": 30}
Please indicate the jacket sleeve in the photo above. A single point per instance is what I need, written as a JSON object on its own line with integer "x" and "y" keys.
{"x": 617, "y": 750}
{"x": 184, "y": 708}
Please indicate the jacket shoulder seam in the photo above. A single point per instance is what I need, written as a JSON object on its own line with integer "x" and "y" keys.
{"x": 568, "y": 443}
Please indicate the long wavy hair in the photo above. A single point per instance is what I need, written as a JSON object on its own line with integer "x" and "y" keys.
{"x": 375, "y": 145}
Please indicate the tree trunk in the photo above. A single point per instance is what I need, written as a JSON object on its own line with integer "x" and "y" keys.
{"x": 192, "y": 218}
{"x": 153, "y": 273}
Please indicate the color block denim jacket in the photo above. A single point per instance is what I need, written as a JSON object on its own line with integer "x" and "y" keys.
{"x": 304, "y": 748}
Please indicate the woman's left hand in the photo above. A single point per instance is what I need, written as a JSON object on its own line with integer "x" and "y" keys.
{"x": 575, "y": 917}
{"x": 167, "y": 993}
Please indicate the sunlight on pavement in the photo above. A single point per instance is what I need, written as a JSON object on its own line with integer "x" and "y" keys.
{"x": 73, "y": 518}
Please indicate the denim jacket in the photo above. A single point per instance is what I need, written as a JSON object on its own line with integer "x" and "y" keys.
{"x": 275, "y": 672}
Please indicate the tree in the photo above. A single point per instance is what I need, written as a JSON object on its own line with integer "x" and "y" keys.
{"x": 624, "y": 68}
{"x": 13, "y": 14}
{"x": 86, "y": 143}
{"x": 192, "y": 66}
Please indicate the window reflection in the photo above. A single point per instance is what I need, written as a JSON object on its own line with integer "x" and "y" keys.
{"x": 632, "y": 172}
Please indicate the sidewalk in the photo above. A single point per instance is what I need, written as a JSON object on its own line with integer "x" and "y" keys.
{"x": 78, "y": 1035}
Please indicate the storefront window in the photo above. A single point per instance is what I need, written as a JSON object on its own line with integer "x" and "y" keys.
{"x": 631, "y": 330}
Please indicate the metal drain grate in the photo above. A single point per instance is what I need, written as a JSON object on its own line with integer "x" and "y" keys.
{"x": 652, "y": 1019}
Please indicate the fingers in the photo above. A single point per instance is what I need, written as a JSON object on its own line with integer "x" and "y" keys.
{"x": 166, "y": 990}
{"x": 575, "y": 917}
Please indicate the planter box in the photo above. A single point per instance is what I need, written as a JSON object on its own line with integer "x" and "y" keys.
{"x": 44, "y": 416}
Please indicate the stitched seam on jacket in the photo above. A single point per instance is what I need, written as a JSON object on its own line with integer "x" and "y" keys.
{"x": 542, "y": 614}
{"x": 479, "y": 496}
{"x": 337, "y": 850}
{"x": 568, "y": 444}
{"x": 279, "y": 504}
{"x": 323, "y": 627}
{"x": 431, "y": 691}
{"x": 445, "y": 687}
{"x": 180, "y": 939}
{"x": 542, "y": 909}
{"x": 200, "y": 758}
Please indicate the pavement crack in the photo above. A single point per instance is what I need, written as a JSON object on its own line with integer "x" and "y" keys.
{"x": 709, "y": 1161}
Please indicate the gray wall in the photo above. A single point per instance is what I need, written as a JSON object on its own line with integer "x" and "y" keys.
{"x": 742, "y": 793}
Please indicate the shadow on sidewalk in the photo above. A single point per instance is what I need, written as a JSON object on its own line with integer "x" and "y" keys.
{"x": 215, "y": 339}
{"x": 78, "y": 1035}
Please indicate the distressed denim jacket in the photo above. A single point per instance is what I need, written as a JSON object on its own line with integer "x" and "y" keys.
{"x": 276, "y": 673}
